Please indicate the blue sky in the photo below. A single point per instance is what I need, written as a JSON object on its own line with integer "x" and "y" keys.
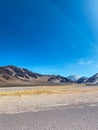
{"x": 50, "y": 36}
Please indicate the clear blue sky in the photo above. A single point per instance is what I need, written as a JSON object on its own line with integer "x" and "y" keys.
{"x": 50, "y": 36}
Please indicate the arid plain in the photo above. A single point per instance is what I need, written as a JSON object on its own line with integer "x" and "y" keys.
{"x": 20, "y": 99}
{"x": 40, "y": 103}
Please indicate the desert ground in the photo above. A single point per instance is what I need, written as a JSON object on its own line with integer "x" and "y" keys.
{"x": 64, "y": 107}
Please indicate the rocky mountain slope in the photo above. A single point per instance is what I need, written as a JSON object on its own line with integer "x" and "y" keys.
{"x": 59, "y": 79}
{"x": 93, "y": 79}
{"x": 12, "y": 75}
{"x": 82, "y": 80}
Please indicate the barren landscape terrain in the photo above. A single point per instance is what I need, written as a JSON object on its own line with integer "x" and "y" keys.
{"x": 36, "y": 108}
{"x": 20, "y": 99}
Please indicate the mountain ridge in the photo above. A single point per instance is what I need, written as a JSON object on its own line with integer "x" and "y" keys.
{"x": 93, "y": 79}
{"x": 16, "y": 76}
{"x": 12, "y": 75}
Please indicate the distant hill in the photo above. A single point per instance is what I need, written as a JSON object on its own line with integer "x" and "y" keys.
{"x": 59, "y": 79}
{"x": 82, "y": 80}
{"x": 12, "y": 75}
{"x": 93, "y": 79}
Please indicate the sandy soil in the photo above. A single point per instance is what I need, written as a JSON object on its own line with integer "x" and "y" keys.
{"x": 35, "y": 99}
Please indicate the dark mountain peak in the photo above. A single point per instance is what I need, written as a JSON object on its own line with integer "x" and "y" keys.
{"x": 4, "y": 70}
{"x": 93, "y": 79}
{"x": 11, "y": 66}
{"x": 59, "y": 79}
{"x": 96, "y": 75}
{"x": 18, "y": 72}
{"x": 82, "y": 80}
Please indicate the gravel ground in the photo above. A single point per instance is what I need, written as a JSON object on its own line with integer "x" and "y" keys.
{"x": 58, "y": 118}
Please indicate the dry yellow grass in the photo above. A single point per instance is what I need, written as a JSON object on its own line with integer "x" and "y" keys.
{"x": 51, "y": 90}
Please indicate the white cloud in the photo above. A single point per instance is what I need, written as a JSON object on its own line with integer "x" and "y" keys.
{"x": 85, "y": 62}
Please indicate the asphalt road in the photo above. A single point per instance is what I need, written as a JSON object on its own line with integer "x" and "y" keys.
{"x": 59, "y": 118}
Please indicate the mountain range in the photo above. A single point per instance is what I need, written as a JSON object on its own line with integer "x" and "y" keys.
{"x": 15, "y": 76}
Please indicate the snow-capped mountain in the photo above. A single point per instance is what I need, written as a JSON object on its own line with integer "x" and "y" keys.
{"x": 74, "y": 77}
